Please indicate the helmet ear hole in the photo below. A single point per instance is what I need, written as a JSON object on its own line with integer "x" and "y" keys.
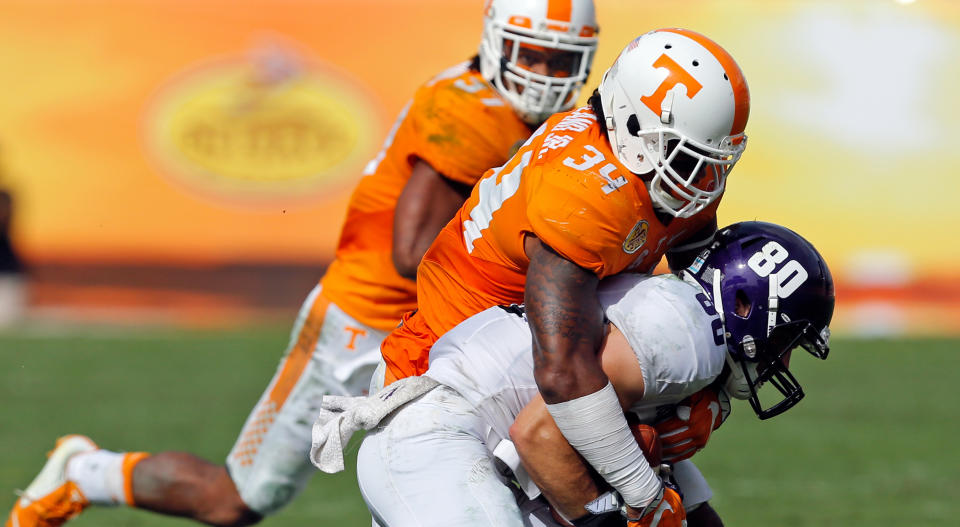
{"x": 633, "y": 125}
{"x": 743, "y": 305}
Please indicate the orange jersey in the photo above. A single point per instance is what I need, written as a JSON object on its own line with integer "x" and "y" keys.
{"x": 461, "y": 127}
{"x": 566, "y": 187}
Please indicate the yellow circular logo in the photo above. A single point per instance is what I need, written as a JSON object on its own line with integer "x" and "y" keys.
{"x": 636, "y": 238}
{"x": 252, "y": 130}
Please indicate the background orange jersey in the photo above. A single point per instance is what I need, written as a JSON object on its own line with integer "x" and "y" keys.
{"x": 459, "y": 125}
{"x": 564, "y": 186}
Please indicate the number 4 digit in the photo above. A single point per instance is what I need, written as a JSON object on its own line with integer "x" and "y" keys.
{"x": 592, "y": 159}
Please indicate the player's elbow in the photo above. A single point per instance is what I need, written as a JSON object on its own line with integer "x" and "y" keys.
{"x": 566, "y": 374}
{"x": 406, "y": 262}
{"x": 528, "y": 435}
{"x": 524, "y": 437}
{"x": 556, "y": 382}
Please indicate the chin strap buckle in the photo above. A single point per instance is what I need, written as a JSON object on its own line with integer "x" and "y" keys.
{"x": 666, "y": 108}
{"x": 773, "y": 302}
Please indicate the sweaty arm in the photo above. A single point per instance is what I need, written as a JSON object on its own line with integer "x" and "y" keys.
{"x": 681, "y": 256}
{"x": 426, "y": 204}
{"x": 557, "y": 469}
{"x": 566, "y": 321}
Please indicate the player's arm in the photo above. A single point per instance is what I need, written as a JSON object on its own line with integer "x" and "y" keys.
{"x": 426, "y": 204}
{"x": 681, "y": 256}
{"x": 566, "y": 320}
{"x": 557, "y": 469}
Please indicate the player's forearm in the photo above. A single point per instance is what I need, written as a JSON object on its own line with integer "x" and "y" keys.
{"x": 596, "y": 427}
{"x": 566, "y": 321}
{"x": 425, "y": 205}
{"x": 557, "y": 469}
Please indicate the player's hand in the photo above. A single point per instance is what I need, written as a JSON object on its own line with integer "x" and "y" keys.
{"x": 668, "y": 512}
{"x": 696, "y": 418}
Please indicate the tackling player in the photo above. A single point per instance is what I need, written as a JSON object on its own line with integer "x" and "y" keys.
{"x": 603, "y": 189}
{"x": 533, "y": 60}
{"x": 729, "y": 323}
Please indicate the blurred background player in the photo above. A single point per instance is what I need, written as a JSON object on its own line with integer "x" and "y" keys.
{"x": 12, "y": 287}
{"x": 533, "y": 60}
{"x": 603, "y": 189}
{"x": 664, "y": 342}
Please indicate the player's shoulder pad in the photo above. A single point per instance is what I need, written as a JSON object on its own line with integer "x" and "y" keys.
{"x": 581, "y": 211}
{"x": 465, "y": 101}
{"x": 562, "y": 132}
{"x": 668, "y": 327}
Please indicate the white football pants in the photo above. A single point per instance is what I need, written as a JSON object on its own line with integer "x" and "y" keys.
{"x": 329, "y": 353}
{"x": 429, "y": 465}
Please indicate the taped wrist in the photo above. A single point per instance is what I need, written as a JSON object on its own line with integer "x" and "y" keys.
{"x": 596, "y": 427}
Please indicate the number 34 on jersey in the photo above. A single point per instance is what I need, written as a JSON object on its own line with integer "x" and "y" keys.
{"x": 497, "y": 187}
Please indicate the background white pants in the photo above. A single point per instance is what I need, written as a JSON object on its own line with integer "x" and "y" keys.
{"x": 13, "y": 299}
{"x": 329, "y": 353}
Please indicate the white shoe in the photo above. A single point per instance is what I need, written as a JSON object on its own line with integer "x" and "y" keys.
{"x": 50, "y": 500}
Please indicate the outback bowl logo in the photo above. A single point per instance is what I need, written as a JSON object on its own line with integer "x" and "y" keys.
{"x": 636, "y": 238}
{"x": 257, "y": 129}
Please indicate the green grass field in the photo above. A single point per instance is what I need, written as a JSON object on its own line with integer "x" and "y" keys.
{"x": 872, "y": 444}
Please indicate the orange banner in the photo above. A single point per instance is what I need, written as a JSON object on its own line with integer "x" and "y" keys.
{"x": 217, "y": 131}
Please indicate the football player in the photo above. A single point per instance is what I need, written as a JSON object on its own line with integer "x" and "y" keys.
{"x": 728, "y": 325}
{"x": 603, "y": 189}
{"x": 534, "y": 58}
{"x": 12, "y": 287}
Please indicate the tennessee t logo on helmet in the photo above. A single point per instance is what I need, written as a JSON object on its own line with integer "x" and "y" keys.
{"x": 684, "y": 143}
{"x": 677, "y": 75}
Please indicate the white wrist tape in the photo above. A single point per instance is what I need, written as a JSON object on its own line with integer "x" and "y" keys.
{"x": 596, "y": 427}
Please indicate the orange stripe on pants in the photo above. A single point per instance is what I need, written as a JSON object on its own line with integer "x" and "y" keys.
{"x": 294, "y": 365}
{"x": 299, "y": 356}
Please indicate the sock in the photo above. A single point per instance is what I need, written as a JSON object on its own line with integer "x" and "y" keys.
{"x": 104, "y": 477}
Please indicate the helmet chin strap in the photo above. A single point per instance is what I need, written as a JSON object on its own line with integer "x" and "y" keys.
{"x": 773, "y": 302}
{"x": 718, "y": 301}
{"x": 736, "y": 384}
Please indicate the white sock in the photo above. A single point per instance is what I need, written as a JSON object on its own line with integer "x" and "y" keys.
{"x": 99, "y": 476}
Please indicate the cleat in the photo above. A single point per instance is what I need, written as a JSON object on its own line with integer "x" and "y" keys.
{"x": 51, "y": 500}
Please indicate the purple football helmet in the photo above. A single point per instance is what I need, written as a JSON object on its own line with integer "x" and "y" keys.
{"x": 774, "y": 293}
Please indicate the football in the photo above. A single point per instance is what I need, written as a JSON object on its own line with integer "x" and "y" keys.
{"x": 649, "y": 442}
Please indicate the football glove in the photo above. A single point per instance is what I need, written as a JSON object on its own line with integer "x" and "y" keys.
{"x": 665, "y": 511}
{"x": 697, "y": 416}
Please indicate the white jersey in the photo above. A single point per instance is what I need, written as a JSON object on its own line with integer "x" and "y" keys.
{"x": 669, "y": 324}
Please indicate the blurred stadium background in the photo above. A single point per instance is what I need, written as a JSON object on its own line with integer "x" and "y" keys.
{"x": 178, "y": 172}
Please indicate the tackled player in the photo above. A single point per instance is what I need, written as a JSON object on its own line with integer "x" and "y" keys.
{"x": 603, "y": 189}
{"x": 715, "y": 330}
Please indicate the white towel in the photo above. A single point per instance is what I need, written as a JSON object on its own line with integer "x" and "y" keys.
{"x": 341, "y": 417}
